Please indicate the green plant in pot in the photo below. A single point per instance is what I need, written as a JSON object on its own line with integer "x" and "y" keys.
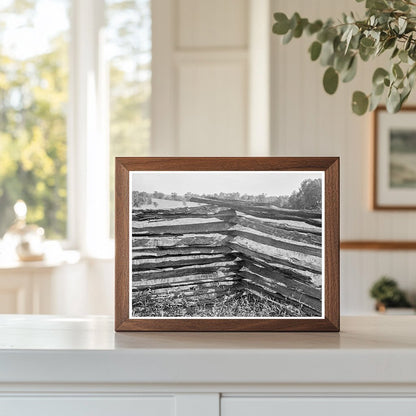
{"x": 387, "y": 294}
{"x": 389, "y": 27}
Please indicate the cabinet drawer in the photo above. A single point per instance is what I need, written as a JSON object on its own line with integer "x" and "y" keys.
{"x": 87, "y": 406}
{"x": 273, "y": 406}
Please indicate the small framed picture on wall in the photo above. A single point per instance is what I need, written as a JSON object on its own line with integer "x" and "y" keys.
{"x": 394, "y": 180}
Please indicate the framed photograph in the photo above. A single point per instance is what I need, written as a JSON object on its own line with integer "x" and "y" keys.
{"x": 394, "y": 159}
{"x": 227, "y": 244}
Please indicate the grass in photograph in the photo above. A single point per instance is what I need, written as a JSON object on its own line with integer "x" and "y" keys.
{"x": 244, "y": 304}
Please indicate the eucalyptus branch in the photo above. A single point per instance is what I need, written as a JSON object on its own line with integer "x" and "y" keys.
{"x": 389, "y": 25}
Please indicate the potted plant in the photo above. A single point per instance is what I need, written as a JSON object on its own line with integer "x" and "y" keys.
{"x": 389, "y": 27}
{"x": 387, "y": 294}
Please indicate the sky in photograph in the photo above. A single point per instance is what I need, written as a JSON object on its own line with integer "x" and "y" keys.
{"x": 251, "y": 183}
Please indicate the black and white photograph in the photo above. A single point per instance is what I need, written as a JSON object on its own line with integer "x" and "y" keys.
{"x": 222, "y": 244}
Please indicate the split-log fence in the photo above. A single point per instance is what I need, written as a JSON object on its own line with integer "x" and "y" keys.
{"x": 222, "y": 247}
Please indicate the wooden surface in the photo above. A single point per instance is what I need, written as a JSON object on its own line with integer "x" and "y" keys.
{"x": 378, "y": 245}
{"x": 330, "y": 165}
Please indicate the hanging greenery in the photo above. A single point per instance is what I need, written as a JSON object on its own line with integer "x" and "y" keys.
{"x": 389, "y": 27}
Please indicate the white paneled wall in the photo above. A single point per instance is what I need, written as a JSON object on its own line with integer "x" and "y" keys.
{"x": 202, "y": 109}
{"x": 212, "y": 24}
{"x": 308, "y": 122}
{"x": 212, "y": 103}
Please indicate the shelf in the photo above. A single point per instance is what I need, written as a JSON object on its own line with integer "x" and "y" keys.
{"x": 52, "y": 349}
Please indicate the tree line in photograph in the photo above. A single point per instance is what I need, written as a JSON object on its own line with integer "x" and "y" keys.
{"x": 308, "y": 197}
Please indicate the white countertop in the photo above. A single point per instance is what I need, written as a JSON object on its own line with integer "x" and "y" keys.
{"x": 53, "y": 349}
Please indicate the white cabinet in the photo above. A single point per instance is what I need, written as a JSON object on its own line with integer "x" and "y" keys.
{"x": 88, "y": 406}
{"x": 80, "y": 366}
{"x": 271, "y": 406}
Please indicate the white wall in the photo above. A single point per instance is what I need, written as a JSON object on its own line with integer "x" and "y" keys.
{"x": 211, "y": 89}
{"x": 308, "y": 122}
{"x": 202, "y": 83}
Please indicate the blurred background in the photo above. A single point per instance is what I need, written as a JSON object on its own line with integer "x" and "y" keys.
{"x": 83, "y": 81}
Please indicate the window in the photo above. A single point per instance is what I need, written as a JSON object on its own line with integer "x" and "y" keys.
{"x": 129, "y": 46}
{"x": 75, "y": 87}
{"x": 33, "y": 98}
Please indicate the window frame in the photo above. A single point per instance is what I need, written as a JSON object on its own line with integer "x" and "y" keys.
{"x": 87, "y": 133}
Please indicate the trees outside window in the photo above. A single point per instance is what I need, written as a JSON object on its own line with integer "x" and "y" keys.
{"x": 37, "y": 54}
{"x": 33, "y": 99}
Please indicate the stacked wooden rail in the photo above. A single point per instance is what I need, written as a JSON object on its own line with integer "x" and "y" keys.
{"x": 225, "y": 246}
{"x": 183, "y": 252}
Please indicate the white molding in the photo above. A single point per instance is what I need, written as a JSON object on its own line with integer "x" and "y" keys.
{"x": 389, "y": 390}
{"x": 214, "y": 55}
{"x": 88, "y": 138}
{"x": 259, "y": 78}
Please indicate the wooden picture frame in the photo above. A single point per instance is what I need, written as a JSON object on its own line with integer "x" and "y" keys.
{"x": 394, "y": 184}
{"x": 134, "y": 174}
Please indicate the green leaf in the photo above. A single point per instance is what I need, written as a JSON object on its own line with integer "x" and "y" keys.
{"x": 281, "y": 27}
{"x": 315, "y": 50}
{"x": 355, "y": 41}
{"x": 327, "y": 53}
{"x": 366, "y": 53}
{"x": 348, "y": 35}
{"x": 411, "y": 76}
{"x": 351, "y": 71}
{"x": 294, "y": 20}
{"x": 288, "y": 37}
{"x": 412, "y": 52}
{"x": 379, "y": 75}
{"x": 395, "y": 52}
{"x": 367, "y": 42}
{"x": 412, "y": 70}
{"x": 378, "y": 89}
{"x": 389, "y": 43}
{"x": 400, "y": 5}
{"x": 402, "y": 24}
{"x": 314, "y": 27}
{"x": 341, "y": 61}
{"x": 330, "y": 80}
{"x": 359, "y": 103}
{"x": 366, "y": 48}
{"x": 408, "y": 42}
{"x": 298, "y": 30}
{"x": 403, "y": 96}
{"x": 376, "y": 4}
{"x": 393, "y": 101}
{"x": 322, "y": 36}
{"x": 397, "y": 71}
{"x": 403, "y": 56}
{"x": 374, "y": 101}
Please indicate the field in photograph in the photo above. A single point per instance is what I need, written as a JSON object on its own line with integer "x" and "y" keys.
{"x": 199, "y": 255}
